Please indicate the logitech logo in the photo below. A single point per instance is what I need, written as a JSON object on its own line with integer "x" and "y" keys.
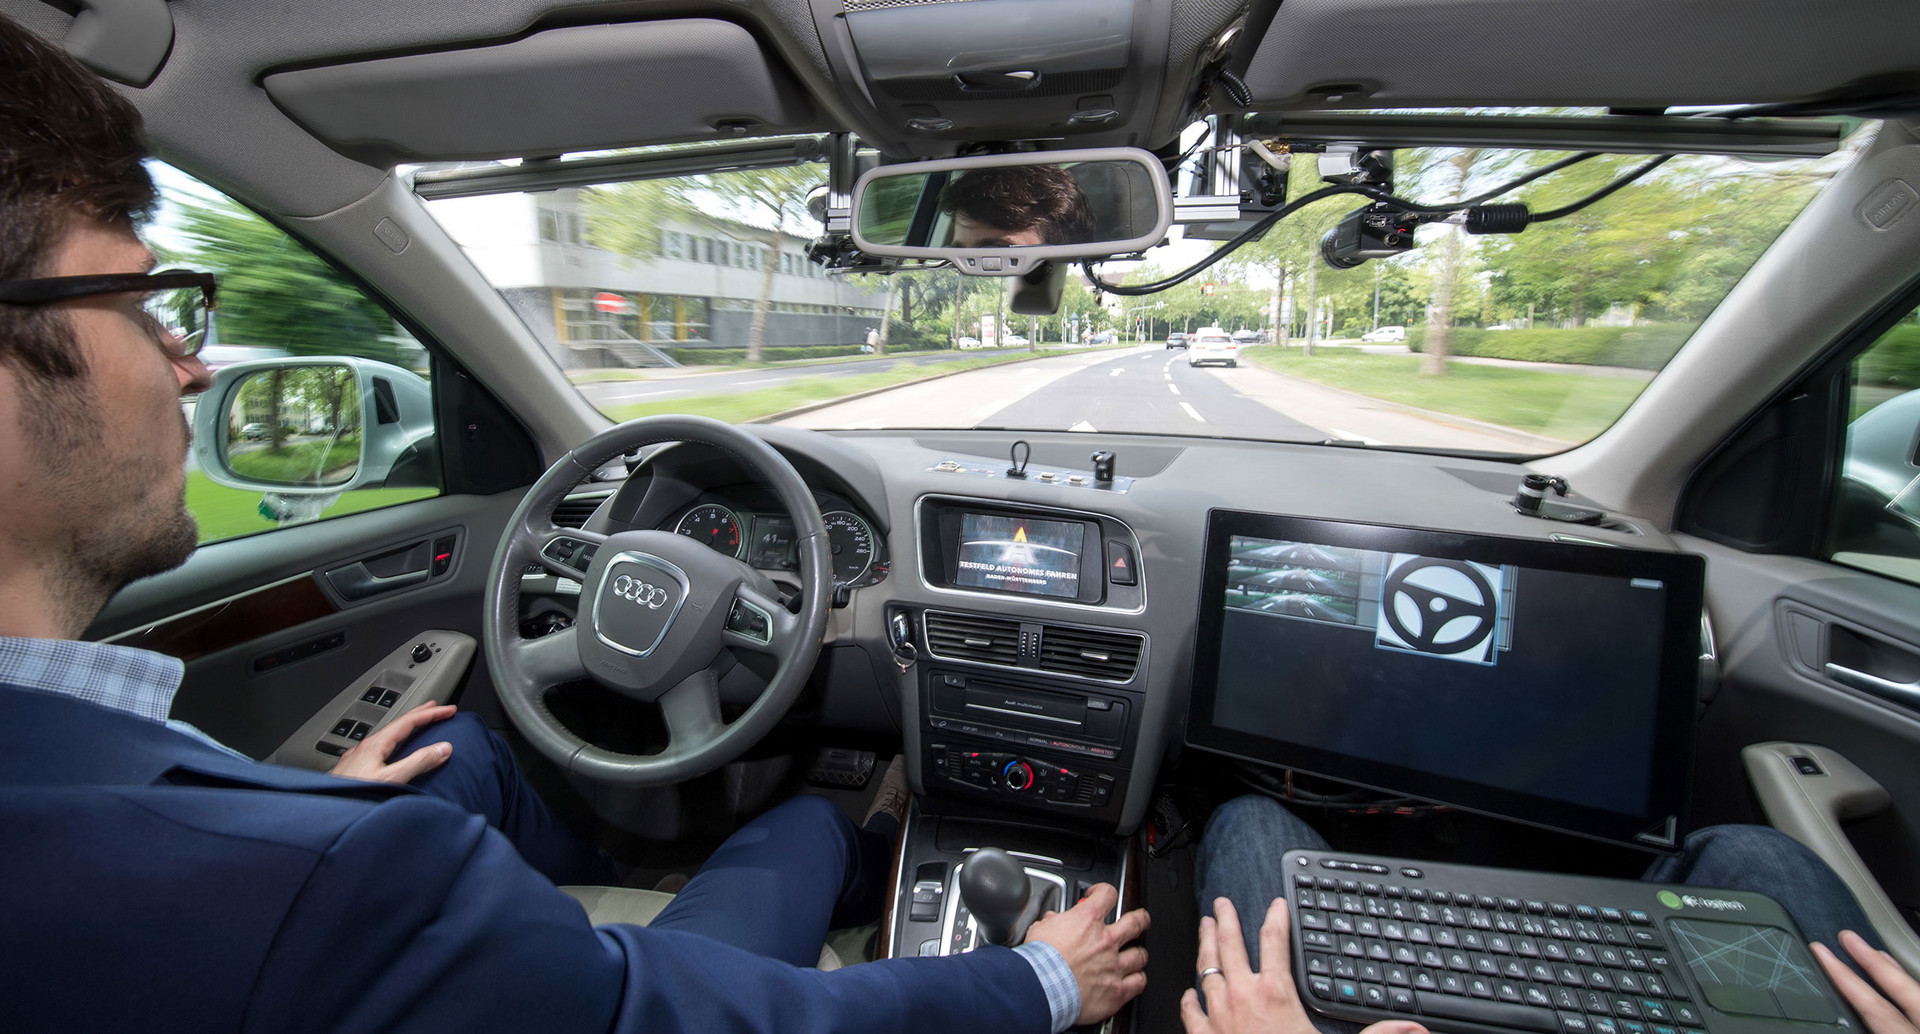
{"x": 1679, "y": 901}
{"x": 647, "y": 594}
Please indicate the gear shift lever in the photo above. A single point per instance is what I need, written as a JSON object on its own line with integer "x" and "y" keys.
{"x": 995, "y": 889}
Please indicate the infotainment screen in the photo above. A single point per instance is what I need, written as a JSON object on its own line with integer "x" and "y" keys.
{"x": 1019, "y": 554}
{"x": 1546, "y": 682}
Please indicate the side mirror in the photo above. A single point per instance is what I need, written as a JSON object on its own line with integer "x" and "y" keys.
{"x": 315, "y": 425}
{"x": 1005, "y": 214}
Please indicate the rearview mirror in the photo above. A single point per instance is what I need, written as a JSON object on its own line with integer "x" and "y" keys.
{"x": 1004, "y": 214}
{"x": 315, "y": 426}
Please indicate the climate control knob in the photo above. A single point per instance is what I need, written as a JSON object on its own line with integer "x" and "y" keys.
{"x": 1018, "y": 774}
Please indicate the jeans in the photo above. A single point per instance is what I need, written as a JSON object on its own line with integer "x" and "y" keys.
{"x": 775, "y": 887}
{"x": 1239, "y": 859}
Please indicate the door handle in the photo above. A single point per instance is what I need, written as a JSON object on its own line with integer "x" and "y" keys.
{"x": 355, "y": 582}
{"x": 1906, "y": 694}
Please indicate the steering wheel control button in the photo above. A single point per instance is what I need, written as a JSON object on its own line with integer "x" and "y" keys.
{"x": 750, "y": 621}
{"x": 637, "y": 602}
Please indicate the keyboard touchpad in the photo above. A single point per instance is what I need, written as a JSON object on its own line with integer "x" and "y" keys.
{"x": 1751, "y": 970}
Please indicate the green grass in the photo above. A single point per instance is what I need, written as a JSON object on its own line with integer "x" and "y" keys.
{"x": 1569, "y": 406}
{"x": 226, "y": 513}
{"x": 296, "y": 463}
{"x": 751, "y": 405}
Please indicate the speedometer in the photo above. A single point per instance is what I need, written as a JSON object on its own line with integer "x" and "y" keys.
{"x": 851, "y": 541}
{"x": 714, "y": 525}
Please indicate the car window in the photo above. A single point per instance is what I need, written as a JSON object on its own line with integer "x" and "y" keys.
{"x": 1876, "y": 514}
{"x": 276, "y": 299}
{"x": 1540, "y": 339}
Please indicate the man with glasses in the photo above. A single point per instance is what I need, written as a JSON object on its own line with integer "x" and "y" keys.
{"x": 151, "y": 878}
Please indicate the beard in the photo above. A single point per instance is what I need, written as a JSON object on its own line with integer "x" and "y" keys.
{"x": 124, "y": 518}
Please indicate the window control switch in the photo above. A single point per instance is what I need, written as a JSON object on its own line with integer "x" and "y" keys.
{"x": 388, "y": 697}
{"x": 372, "y": 695}
{"x": 343, "y": 728}
{"x": 360, "y": 730}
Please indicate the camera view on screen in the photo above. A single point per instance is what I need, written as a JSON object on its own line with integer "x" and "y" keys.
{"x": 1542, "y": 682}
{"x": 1015, "y": 554}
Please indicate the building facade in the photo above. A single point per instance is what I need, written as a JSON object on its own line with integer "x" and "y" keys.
{"x": 592, "y": 307}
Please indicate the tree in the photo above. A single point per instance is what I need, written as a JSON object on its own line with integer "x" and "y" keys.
{"x": 775, "y": 195}
{"x": 275, "y": 293}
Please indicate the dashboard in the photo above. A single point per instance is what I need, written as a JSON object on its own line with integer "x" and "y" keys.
{"x": 1050, "y": 620}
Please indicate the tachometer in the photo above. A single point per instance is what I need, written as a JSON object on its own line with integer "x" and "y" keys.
{"x": 714, "y": 525}
{"x": 851, "y": 541}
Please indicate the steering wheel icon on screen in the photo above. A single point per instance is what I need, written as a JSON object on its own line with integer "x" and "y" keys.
{"x": 1430, "y": 609}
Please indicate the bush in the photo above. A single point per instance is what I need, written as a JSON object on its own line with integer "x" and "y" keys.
{"x": 1644, "y": 347}
{"x": 1894, "y": 360}
{"x": 728, "y": 356}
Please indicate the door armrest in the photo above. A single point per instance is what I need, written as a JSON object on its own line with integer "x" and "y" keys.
{"x": 1807, "y": 792}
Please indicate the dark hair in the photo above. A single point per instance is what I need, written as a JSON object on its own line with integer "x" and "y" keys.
{"x": 69, "y": 148}
{"x": 1024, "y": 197}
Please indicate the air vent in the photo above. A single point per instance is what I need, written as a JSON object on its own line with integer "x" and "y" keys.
{"x": 969, "y": 637}
{"x": 1089, "y": 653}
{"x": 573, "y": 511}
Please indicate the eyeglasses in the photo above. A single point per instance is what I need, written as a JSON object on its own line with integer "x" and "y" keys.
{"x": 176, "y": 305}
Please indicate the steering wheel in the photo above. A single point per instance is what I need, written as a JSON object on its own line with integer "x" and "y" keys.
{"x": 657, "y": 611}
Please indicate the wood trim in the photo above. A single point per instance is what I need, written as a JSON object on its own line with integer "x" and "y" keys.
{"x": 233, "y": 621}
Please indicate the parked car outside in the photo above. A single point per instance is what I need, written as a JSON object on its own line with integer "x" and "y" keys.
{"x": 967, "y": 342}
{"x": 1246, "y": 337}
{"x": 1394, "y": 335}
{"x": 255, "y": 431}
{"x": 1015, "y": 341}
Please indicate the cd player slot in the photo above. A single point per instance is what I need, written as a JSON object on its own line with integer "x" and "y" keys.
{"x": 1068, "y": 716}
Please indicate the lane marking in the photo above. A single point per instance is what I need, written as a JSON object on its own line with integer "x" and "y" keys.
{"x": 647, "y": 394}
{"x": 1175, "y": 388}
{"x": 1350, "y": 436}
{"x": 1081, "y": 426}
{"x": 1118, "y": 372}
{"x": 763, "y": 380}
{"x": 1194, "y": 413}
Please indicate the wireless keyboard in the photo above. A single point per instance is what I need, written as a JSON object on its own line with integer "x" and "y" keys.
{"x": 1472, "y": 949}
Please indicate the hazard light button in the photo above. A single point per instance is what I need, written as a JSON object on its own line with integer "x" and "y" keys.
{"x": 1122, "y": 569}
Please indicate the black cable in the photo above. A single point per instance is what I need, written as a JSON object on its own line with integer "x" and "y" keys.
{"x": 1530, "y": 177}
{"x": 1560, "y": 213}
{"x": 1259, "y": 229}
{"x": 1254, "y": 233}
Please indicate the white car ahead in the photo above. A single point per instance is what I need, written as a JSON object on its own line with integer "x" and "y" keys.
{"x": 1212, "y": 345}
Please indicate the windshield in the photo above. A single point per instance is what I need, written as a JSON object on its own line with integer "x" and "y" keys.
{"x": 695, "y": 295}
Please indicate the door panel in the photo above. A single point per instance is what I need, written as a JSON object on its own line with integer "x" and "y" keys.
{"x": 1781, "y": 620}
{"x": 269, "y": 640}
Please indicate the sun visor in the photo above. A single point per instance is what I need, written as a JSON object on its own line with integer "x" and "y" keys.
{"x": 1624, "y": 53}
{"x": 570, "y": 89}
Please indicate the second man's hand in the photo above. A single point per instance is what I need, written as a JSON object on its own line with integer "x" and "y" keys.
{"x": 1241, "y": 1001}
{"x": 368, "y": 758}
{"x": 1109, "y": 974}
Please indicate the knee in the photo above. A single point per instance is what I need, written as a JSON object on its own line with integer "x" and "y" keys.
{"x": 1741, "y": 845}
{"x": 1245, "y": 819}
{"x": 473, "y": 743}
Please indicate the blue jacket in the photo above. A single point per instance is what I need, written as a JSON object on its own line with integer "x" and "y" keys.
{"x": 151, "y": 882}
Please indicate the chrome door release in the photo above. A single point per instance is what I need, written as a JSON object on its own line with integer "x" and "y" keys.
{"x": 1904, "y": 693}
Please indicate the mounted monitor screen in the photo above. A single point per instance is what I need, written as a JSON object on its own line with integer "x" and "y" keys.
{"x": 1544, "y": 682}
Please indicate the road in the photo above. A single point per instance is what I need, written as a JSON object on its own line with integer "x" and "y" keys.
{"x": 1152, "y": 390}
{"x": 659, "y": 385}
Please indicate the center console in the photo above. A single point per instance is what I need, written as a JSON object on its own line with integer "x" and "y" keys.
{"x": 1036, "y": 715}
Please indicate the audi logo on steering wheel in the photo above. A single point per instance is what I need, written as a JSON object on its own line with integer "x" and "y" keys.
{"x": 647, "y": 594}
